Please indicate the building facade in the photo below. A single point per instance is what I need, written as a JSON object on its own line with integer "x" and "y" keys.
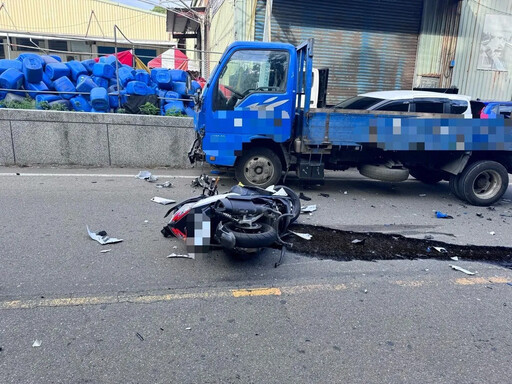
{"x": 80, "y": 29}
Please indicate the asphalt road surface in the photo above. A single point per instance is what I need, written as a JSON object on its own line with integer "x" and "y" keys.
{"x": 132, "y": 315}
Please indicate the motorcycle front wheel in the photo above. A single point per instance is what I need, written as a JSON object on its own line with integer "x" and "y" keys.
{"x": 263, "y": 236}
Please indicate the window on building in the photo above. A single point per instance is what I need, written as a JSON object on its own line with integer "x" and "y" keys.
{"x": 145, "y": 55}
{"x": 23, "y": 44}
{"x": 58, "y": 45}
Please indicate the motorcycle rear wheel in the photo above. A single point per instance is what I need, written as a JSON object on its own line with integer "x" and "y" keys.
{"x": 263, "y": 236}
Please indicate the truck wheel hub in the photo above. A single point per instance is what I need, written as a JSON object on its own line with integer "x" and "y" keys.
{"x": 487, "y": 184}
{"x": 259, "y": 170}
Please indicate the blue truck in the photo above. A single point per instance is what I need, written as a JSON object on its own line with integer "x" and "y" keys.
{"x": 254, "y": 115}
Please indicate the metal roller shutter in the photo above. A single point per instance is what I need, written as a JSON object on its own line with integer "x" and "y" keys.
{"x": 368, "y": 45}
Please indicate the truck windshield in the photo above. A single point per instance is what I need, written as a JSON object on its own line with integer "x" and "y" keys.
{"x": 358, "y": 102}
{"x": 249, "y": 71}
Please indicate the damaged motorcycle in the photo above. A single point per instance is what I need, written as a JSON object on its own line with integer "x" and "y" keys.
{"x": 241, "y": 221}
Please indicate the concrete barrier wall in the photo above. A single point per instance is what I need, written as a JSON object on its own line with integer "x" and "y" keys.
{"x": 29, "y": 137}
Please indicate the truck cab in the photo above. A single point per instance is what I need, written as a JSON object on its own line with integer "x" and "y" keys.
{"x": 246, "y": 111}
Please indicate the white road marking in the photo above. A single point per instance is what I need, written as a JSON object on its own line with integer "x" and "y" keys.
{"x": 92, "y": 175}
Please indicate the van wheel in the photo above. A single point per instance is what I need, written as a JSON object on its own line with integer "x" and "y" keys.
{"x": 259, "y": 167}
{"x": 426, "y": 176}
{"x": 483, "y": 183}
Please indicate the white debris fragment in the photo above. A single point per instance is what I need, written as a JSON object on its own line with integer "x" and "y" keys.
{"x": 345, "y": 193}
{"x": 457, "y": 268}
{"x": 358, "y": 241}
{"x": 440, "y": 249}
{"x": 146, "y": 175}
{"x": 146, "y": 221}
{"x": 308, "y": 208}
{"x": 271, "y": 188}
{"x": 280, "y": 192}
{"x": 305, "y": 236}
{"x": 167, "y": 184}
{"x": 162, "y": 200}
{"x": 454, "y": 258}
{"x": 102, "y": 239}
{"x": 423, "y": 194}
{"x": 188, "y": 328}
{"x": 492, "y": 233}
{"x": 105, "y": 250}
{"x": 37, "y": 343}
{"x": 176, "y": 256}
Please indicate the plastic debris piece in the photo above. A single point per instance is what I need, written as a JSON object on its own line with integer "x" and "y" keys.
{"x": 441, "y": 215}
{"x": 146, "y": 175}
{"x": 429, "y": 250}
{"x": 428, "y": 237}
{"x": 139, "y": 336}
{"x": 102, "y": 239}
{"x": 146, "y": 221}
{"x": 492, "y": 233}
{"x": 188, "y": 328}
{"x": 454, "y": 258}
{"x": 358, "y": 241}
{"x": 175, "y": 256}
{"x": 305, "y": 236}
{"x": 37, "y": 343}
{"x": 304, "y": 197}
{"x": 105, "y": 250}
{"x": 345, "y": 193}
{"x": 423, "y": 195}
{"x": 323, "y": 194}
{"x": 280, "y": 192}
{"x": 162, "y": 200}
{"x": 167, "y": 184}
{"x": 480, "y": 215}
{"x": 509, "y": 284}
{"x": 457, "y": 268}
{"x": 440, "y": 249}
{"x": 491, "y": 208}
{"x": 308, "y": 208}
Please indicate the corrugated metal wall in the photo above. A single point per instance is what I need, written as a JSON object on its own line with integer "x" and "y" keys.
{"x": 368, "y": 45}
{"x": 71, "y": 17}
{"x": 485, "y": 84}
{"x": 222, "y": 31}
{"x": 437, "y": 42}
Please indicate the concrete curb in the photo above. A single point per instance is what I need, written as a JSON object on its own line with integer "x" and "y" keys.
{"x": 32, "y": 137}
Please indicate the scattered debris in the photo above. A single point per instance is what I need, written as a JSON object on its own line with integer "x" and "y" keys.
{"x": 105, "y": 250}
{"x": 365, "y": 291}
{"x": 167, "y": 184}
{"x": 358, "y": 241}
{"x": 480, "y": 215}
{"x": 428, "y": 237}
{"x": 139, "y": 336}
{"x": 280, "y": 192}
{"x": 491, "y": 208}
{"x": 175, "y": 256}
{"x": 323, "y": 194}
{"x": 457, "y": 268}
{"x": 308, "y": 208}
{"x": 441, "y": 215}
{"x": 509, "y": 284}
{"x": 162, "y": 200}
{"x": 146, "y": 175}
{"x": 188, "y": 328}
{"x": 37, "y": 343}
{"x": 440, "y": 249}
{"x": 505, "y": 215}
{"x": 146, "y": 221}
{"x": 423, "y": 195}
{"x": 492, "y": 233}
{"x": 305, "y": 236}
{"x": 345, "y": 193}
{"x": 304, "y": 197}
{"x": 454, "y": 258}
{"x": 102, "y": 238}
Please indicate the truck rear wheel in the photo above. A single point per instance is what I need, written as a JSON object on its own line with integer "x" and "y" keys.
{"x": 454, "y": 187}
{"x": 259, "y": 167}
{"x": 483, "y": 183}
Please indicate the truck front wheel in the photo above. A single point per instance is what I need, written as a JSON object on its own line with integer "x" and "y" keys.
{"x": 259, "y": 167}
{"x": 483, "y": 182}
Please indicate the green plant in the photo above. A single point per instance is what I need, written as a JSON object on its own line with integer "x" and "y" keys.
{"x": 121, "y": 110}
{"x": 44, "y": 105}
{"x": 26, "y": 103}
{"x": 149, "y": 109}
{"x": 174, "y": 112}
{"x": 59, "y": 107}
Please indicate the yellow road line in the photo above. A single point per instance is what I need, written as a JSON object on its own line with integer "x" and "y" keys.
{"x": 212, "y": 294}
{"x": 256, "y": 292}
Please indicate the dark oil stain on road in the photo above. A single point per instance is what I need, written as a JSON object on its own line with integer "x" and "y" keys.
{"x": 333, "y": 244}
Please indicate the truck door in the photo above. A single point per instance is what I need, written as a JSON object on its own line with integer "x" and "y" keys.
{"x": 252, "y": 98}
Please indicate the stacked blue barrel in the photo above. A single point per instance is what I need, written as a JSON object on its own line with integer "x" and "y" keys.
{"x": 93, "y": 85}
